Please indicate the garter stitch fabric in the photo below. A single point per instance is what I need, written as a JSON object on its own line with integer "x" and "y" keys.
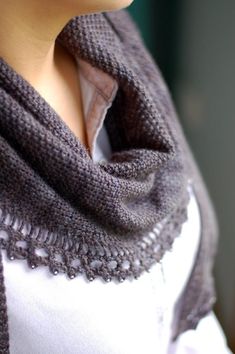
{"x": 111, "y": 219}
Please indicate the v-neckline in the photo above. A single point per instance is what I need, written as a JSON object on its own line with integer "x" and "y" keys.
{"x": 124, "y": 68}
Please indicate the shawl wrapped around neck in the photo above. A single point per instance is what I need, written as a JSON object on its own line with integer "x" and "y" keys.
{"x": 110, "y": 219}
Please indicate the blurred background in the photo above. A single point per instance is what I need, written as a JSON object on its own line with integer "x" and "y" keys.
{"x": 194, "y": 47}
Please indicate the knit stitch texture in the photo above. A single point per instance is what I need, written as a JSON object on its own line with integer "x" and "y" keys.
{"x": 110, "y": 219}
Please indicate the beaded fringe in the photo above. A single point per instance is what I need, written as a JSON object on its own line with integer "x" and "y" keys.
{"x": 115, "y": 261}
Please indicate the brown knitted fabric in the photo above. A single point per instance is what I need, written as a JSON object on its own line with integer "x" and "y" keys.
{"x": 114, "y": 219}
{"x": 4, "y": 335}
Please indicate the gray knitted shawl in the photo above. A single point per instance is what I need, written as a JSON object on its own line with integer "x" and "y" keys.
{"x": 112, "y": 219}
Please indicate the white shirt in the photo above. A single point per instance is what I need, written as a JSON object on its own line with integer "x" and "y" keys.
{"x": 55, "y": 315}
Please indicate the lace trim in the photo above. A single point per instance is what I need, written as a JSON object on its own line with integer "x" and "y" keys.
{"x": 118, "y": 260}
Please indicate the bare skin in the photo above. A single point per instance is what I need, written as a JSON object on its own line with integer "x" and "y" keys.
{"x": 29, "y": 47}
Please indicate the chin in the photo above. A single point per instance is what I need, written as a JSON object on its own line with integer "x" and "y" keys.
{"x": 94, "y": 6}
{"x": 118, "y": 4}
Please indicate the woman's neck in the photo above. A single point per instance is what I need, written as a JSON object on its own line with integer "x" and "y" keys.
{"x": 27, "y": 43}
{"x": 27, "y": 37}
